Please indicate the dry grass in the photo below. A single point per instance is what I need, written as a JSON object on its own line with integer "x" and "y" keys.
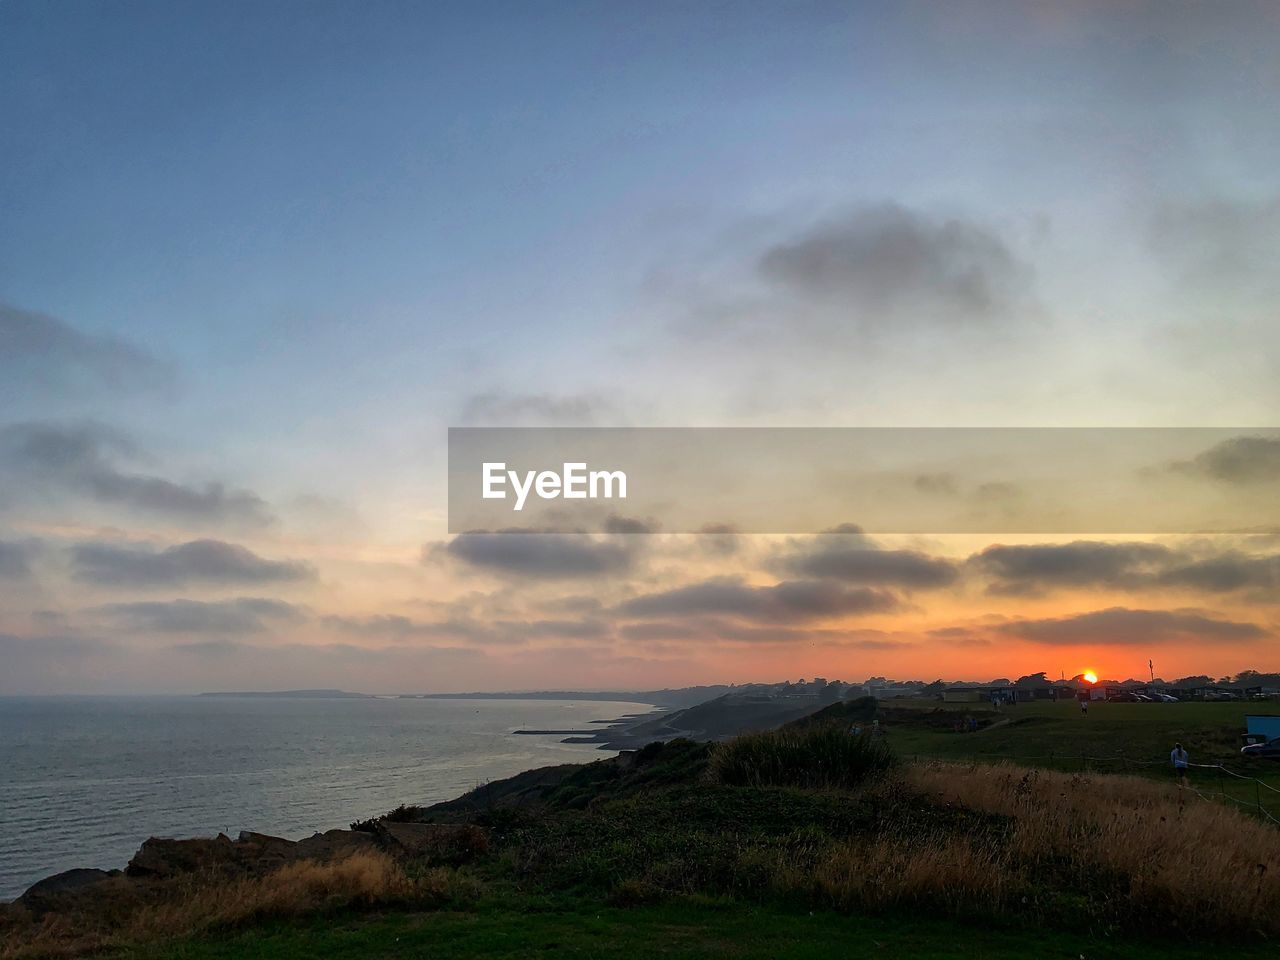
{"x": 1117, "y": 851}
{"x": 365, "y": 879}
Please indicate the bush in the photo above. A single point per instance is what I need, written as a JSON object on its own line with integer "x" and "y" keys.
{"x": 810, "y": 757}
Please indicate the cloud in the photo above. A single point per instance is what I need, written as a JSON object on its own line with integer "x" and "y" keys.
{"x": 663, "y": 630}
{"x": 51, "y": 647}
{"x": 81, "y": 457}
{"x": 786, "y": 602}
{"x": 719, "y": 540}
{"x": 39, "y": 352}
{"x": 909, "y": 569}
{"x": 1031, "y": 569}
{"x": 462, "y": 629}
{"x": 1120, "y": 626}
{"x": 239, "y": 616}
{"x": 498, "y": 408}
{"x": 1135, "y": 566}
{"x": 936, "y": 484}
{"x": 618, "y": 524}
{"x": 542, "y": 555}
{"x": 719, "y": 629}
{"x": 1240, "y": 460}
{"x": 881, "y": 266}
{"x": 1226, "y": 572}
{"x": 198, "y": 561}
{"x": 399, "y": 627}
{"x": 1228, "y": 243}
{"x": 15, "y": 559}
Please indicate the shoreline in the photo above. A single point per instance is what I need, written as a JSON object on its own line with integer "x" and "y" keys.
{"x": 30, "y": 862}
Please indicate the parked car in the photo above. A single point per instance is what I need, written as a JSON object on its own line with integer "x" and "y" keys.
{"x": 1125, "y": 698}
{"x": 1262, "y": 751}
{"x": 1164, "y": 698}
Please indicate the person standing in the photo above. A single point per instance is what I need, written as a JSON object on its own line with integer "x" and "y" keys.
{"x": 1084, "y": 706}
{"x": 1178, "y": 757}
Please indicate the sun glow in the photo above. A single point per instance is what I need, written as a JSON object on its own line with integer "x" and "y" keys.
{"x": 1090, "y": 676}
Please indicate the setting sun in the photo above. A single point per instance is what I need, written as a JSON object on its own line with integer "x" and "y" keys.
{"x": 1090, "y": 676}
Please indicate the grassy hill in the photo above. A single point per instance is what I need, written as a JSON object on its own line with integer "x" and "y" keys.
{"x": 802, "y": 842}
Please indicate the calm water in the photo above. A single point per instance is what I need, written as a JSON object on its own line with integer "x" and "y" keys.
{"x": 83, "y": 781}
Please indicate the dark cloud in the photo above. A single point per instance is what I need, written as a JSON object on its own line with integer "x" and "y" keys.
{"x": 882, "y": 266}
{"x": 15, "y": 559}
{"x": 719, "y": 539}
{"x": 827, "y": 559}
{"x": 853, "y": 535}
{"x": 1225, "y": 572}
{"x": 83, "y": 458}
{"x": 617, "y": 524}
{"x": 1120, "y": 626}
{"x": 39, "y": 352}
{"x": 1240, "y": 460}
{"x": 242, "y": 615}
{"x": 528, "y": 553}
{"x": 786, "y": 602}
{"x": 498, "y": 408}
{"x": 1037, "y": 568}
{"x": 1034, "y": 568}
{"x": 199, "y": 561}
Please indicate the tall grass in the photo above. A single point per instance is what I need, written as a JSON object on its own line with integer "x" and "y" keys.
{"x": 820, "y": 757}
{"x": 1109, "y": 851}
{"x": 365, "y": 879}
{"x": 1196, "y": 863}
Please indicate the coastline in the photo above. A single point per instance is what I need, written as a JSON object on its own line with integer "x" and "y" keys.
{"x": 286, "y": 767}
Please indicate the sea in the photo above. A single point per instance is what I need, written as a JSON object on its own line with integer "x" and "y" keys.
{"x": 84, "y": 780}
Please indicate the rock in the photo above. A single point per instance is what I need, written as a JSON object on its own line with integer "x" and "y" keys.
{"x": 438, "y": 842}
{"x": 333, "y": 845}
{"x": 65, "y": 882}
{"x": 159, "y": 857}
{"x": 263, "y": 851}
{"x": 59, "y": 890}
{"x": 251, "y": 853}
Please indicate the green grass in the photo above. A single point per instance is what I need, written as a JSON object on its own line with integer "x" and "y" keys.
{"x": 659, "y": 857}
{"x": 1114, "y": 738}
{"x": 579, "y": 930}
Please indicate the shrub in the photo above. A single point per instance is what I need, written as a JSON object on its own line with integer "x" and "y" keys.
{"x": 810, "y": 757}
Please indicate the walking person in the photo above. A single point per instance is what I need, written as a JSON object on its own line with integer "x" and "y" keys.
{"x": 1178, "y": 757}
{"x": 1084, "y": 706}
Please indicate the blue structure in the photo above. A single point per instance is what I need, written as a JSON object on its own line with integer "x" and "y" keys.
{"x": 1262, "y": 729}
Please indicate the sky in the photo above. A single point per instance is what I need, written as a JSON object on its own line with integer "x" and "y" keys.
{"x": 256, "y": 259}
